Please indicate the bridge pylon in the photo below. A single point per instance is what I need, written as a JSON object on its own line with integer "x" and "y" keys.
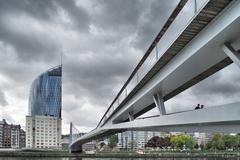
{"x": 73, "y": 136}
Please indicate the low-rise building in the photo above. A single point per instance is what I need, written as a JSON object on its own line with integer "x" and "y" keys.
{"x": 15, "y": 134}
{"x": 1, "y": 132}
{"x": 7, "y": 136}
{"x": 43, "y": 132}
{"x": 10, "y": 135}
{"x": 22, "y": 139}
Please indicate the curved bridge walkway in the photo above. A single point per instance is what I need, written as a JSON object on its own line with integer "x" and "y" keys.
{"x": 199, "y": 38}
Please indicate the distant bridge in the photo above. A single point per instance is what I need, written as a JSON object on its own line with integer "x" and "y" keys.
{"x": 199, "y": 38}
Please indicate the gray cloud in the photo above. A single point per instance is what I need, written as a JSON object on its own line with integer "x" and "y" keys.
{"x": 221, "y": 88}
{"x": 123, "y": 15}
{"x": 151, "y": 22}
{"x": 37, "y": 43}
{"x": 79, "y": 16}
{"x": 219, "y": 84}
{"x": 3, "y": 101}
{"x": 95, "y": 77}
{"x": 43, "y": 9}
{"x": 102, "y": 41}
{"x": 30, "y": 46}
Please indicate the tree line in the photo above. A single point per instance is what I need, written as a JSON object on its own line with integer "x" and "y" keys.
{"x": 224, "y": 142}
{"x": 178, "y": 142}
{"x": 217, "y": 142}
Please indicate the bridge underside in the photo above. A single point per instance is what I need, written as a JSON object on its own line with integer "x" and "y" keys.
{"x": 199, "y": 57}
{"x": 224, "y": 118}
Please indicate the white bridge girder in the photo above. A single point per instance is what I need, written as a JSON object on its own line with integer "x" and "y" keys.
{"x": 232, "y": 53}
{"x": 207, "y": 49}
{"x": 158, "y": 100}
{"x": 203, "y": 52}
{"x": 224, "y": 118}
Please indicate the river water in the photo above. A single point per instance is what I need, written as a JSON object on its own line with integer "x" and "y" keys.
{"x": 14, "y": 158}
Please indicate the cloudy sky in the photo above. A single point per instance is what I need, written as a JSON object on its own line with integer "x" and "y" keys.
{"x": 102, "y": 41}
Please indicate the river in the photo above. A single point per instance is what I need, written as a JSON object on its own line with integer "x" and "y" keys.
{"x": 24, "y": 158}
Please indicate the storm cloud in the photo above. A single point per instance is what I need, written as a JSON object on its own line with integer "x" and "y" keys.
{"x": 3, "y": 101}
{"x": 101, "y": 41}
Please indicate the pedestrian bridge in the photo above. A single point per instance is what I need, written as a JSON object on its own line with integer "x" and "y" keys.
{"x": 199, "y": 38}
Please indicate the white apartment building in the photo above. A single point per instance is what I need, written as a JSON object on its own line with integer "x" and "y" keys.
{"x": 202, "y": 138}
{"x": 127, "y": 140}
{"x": 142, "y": 138}
{"x": 43, "y": 132}
{"x": 1, "y": 133}
{"x": 15, "y": 132}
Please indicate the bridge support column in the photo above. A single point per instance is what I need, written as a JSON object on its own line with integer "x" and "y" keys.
{"x": 71, "y": 134}
{"x": 158, "y": 100}
{"x": 232, "y": 53}
{"x": 130, "y": 116}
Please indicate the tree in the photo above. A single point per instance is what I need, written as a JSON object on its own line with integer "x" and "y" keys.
{"x": 179, "y": 141}
{"x": 230, "y": 141}
{"x": 113, "y": 140}
{"x": 152, "y": 142}
{"x": 165, "y": 142}
{"x": 217, "y": 142}
{"x": 158, "y": 142}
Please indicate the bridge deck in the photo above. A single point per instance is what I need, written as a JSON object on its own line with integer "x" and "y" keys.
{"x": 207, "y": 120}
{"x": 217, "y": 22}
{"x": 206, "y": 16}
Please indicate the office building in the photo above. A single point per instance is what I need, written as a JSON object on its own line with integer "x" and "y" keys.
{"x": 43, "y": 124}
{"x": 46, "y": 94}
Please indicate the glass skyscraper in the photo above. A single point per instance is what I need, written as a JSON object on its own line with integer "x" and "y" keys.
{"x": 46, "y": 94}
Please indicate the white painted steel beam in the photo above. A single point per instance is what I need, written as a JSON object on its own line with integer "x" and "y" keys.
{"x": 232, "y": 53}
{"x": 223, "y": 116}
{"x": 203, "y": 52}
{"x": 158, "y": 100}
{"x": 130, "y": 116}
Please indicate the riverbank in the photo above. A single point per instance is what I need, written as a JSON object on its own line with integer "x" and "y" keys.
{"x": 34, "y": 153}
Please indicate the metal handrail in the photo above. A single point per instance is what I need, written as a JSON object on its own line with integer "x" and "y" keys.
{"x": 165, "y": 42}
{"x": 152, "y": 46}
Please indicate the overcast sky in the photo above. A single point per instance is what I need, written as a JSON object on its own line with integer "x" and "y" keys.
{"x": 102, "y": 41}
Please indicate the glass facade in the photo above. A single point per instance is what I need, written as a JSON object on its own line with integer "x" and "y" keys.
{"x": 46, "y": 94}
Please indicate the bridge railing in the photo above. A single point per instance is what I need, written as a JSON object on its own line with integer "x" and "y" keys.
{"x": 166, "y": 37}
